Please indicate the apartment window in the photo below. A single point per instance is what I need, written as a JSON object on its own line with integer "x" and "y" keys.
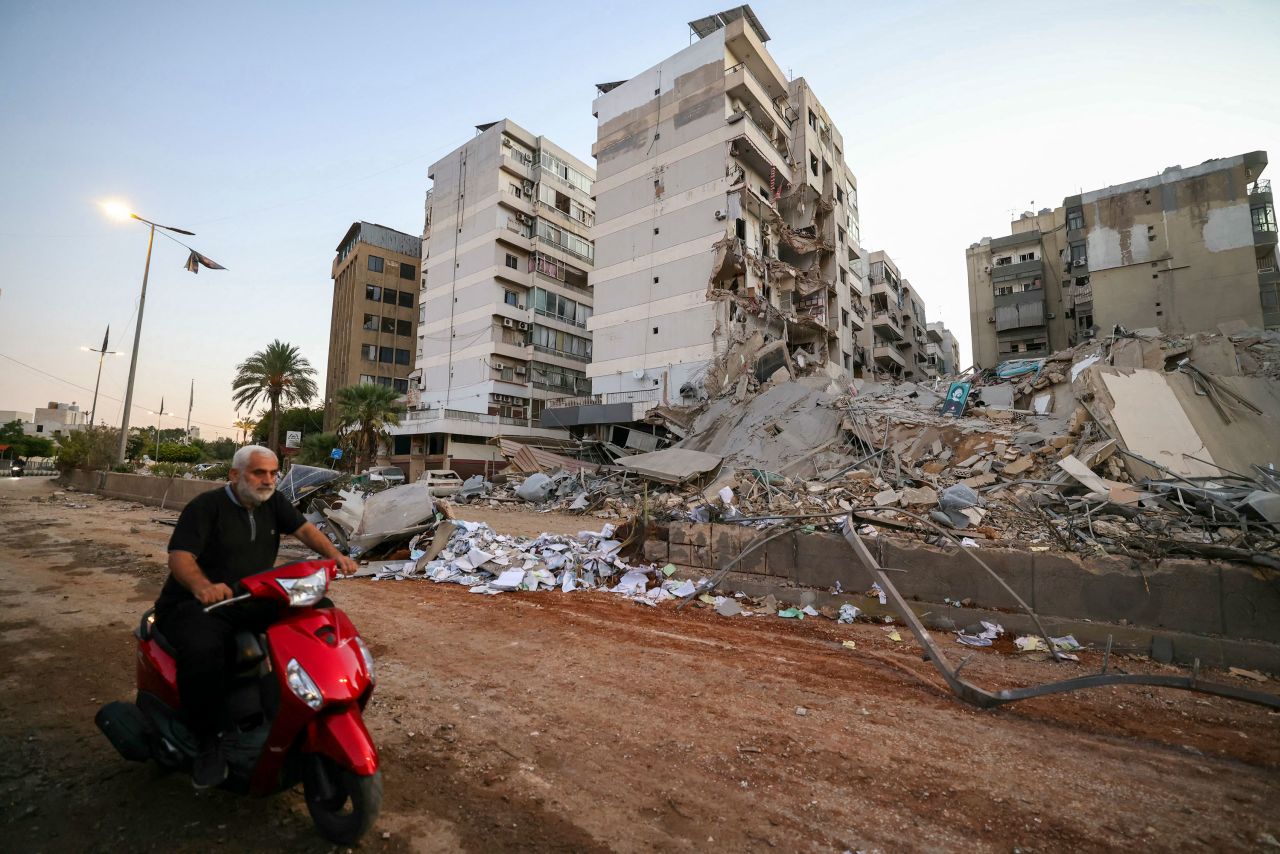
{"x": 841, "y": 235}
{"x": 813, "y": 164}
{"x": 369, "y": 352}
{"x": 402, "y": 357}
{"x": 401, "y": 386}
{"x": 512, "y": 261}
{"x": 844, "y": 317}
{"x": 1078, "y": 255}
{"x": 389, "y": 296}
{"x": 375, "y": 264}
{"x": 813, "y": 120}
{"x": 839, "y": 195}
{"x": 1075, "y": 219}
{"x": 1004, "y": 261}
{"x": 388, "y": 325}
{"x": 366, "y": 379}
{"x": 371, "y": 322}
{"x": 1004, "y": 290}
{"x": 510, "y": 297}
{"x": 550, "y": 340}
{"x": 844, "y": 277}
{"x": 408, "y": 271}
{"x": 1264, "y": 218}
{"x": 383, "y": 381}
{"x": 373, "y": 292}
{"x": 560, "y": 308}
{"x": 406, "y": 299}
{"x": 404, "y": 327}
{"x": 514, "y": 189}
{"x": 1025, "y": 257}
{"x": 386, "y": 355}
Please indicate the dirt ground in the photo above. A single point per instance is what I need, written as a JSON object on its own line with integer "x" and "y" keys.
{"x": 583, "y": 722}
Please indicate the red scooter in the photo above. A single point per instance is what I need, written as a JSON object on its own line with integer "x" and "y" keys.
{"x": 293, "y": 706}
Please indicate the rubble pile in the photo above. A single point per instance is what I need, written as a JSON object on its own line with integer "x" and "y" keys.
{"x": 1138, "y": 444}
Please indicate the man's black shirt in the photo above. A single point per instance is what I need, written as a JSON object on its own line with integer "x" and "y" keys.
{"x": 228, "y": 541}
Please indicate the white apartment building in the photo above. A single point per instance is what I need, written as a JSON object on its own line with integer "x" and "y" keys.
{"x": 505, "y": 302}
{"x": 943, "y": 349}
{"x": 725, "y": 214}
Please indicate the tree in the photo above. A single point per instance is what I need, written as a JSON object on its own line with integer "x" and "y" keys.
{"x": 91, "y": 448}
{"x": 175, "y": 452}
{"x": 220, "y": 449}
{"x": 316, "y": 448}
{"x": 244, "y": 425}
{"x": 300, "y": 418}
{"x": 277, "y": 374}
{"x": 22, "y": 445}
{"x": 365, "y": 411}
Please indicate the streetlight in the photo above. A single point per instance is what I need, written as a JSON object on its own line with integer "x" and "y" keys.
{"x": 158, "y": 415}
{"x": 119, "y": 211}
{"x": 101, "y": 354}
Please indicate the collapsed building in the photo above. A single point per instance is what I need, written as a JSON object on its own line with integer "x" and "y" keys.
{"x": 726, "y": 214}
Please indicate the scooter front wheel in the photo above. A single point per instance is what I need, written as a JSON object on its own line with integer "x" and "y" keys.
{"x": 343, "y": 804}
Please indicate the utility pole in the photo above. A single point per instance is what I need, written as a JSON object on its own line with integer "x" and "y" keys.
{"x": 186, "y": 436}
{"x": 102, "y": 353}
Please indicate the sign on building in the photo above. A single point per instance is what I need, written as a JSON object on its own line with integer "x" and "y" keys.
{"x": 293, "y": 439}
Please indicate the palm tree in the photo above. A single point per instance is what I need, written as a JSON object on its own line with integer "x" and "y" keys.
{"x": 278, "y": 373}
{"x": 245, "y": 425}
{"x": 367, "y": 410}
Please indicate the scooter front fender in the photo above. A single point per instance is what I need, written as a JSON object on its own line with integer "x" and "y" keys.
{"x": 341, "y": 735}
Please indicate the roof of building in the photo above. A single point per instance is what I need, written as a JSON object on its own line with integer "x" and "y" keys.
{"x": 704, "y": 27}
{"x": 381, "y": 236}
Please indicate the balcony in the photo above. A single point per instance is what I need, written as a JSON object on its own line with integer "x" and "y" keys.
{"x": 935, "y": 337}
{"x": 516, "y": 164}
{"x": 1264, "y": 224}
{"x": 1022, "y": 270}
{"x": 888, "y": 357}
{"x": 884, "y": 323}
{"x": 757, "y": 148}
{"x": 1260, "y": 190}
{"x": 740, "y": 83}
{"x": 857, "y": 320}
{"x": 619, "y": 407}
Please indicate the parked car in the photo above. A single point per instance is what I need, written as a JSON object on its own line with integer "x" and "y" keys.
{"x": 390, "y": 475}
{"x": 442, "y": 482}
{"x": 203, "y": 467}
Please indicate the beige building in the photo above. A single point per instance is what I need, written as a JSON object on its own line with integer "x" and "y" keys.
{"x": 1183, "y": 251}
{"x": 943, "y": 349}
{"x": 506, "y": 305}
{"x": 899, "y": 337}
{"x": 373, "y": 328}
{"x": 724, "y": 209}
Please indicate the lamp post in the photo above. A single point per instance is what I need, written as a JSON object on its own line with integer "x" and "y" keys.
{"x": 118, "y": 211}
{"x": 101, "y": 354}
{"x": 158, "y": 416}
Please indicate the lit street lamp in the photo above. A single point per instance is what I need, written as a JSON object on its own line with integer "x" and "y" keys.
{"x": 117, "y": 210}
{"x": 101, "y": 354}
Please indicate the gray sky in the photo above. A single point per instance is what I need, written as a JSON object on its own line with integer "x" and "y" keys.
{"x": 268, "y": 128}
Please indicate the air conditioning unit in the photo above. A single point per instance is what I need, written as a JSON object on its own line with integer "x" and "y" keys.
{"x": 991, "y": 320}
{"x": 521, "y": 370}
{"x": 721, "y": 214}
{"x": 1050, "y": 316}
{"x": 520, "y": 306}
{"x": 522, "y": 325}
{"x": 1079, "y": 262}
{"x": 499, "y": 366}
{"x": 506, "y": 143}
{"x": 508, "y": 322}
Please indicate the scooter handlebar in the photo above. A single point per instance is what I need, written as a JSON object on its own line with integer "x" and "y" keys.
{"x": 240, "y": 598}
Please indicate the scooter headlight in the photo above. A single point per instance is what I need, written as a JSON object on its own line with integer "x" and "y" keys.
{"x": 302, "y": 685}
{"x": 307, "y": 590}
{"x": 368, "y": 658}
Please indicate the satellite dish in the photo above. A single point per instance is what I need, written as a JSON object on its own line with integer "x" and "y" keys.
{"x": 638, "y": 374}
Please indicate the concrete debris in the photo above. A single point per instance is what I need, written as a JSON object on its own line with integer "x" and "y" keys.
{"x": 370, "y": 519}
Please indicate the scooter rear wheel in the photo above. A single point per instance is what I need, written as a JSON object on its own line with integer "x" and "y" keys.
{"x": 343, "y": 804}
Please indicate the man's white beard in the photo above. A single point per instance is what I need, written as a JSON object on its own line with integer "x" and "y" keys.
{"x": 251, "y": 497}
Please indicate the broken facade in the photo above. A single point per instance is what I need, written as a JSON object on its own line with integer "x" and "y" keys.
{"x": 1181, "y": 251}
{"x": 726, "y": 213}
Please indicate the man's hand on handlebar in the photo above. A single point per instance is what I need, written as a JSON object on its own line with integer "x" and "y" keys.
{"x": 212, "y": 593}
{"x": 346, "y": 566}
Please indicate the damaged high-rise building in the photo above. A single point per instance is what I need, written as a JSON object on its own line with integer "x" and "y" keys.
{"x": 899, "y": 328}
{"x": 726, "y": 231}
{"x": 1182, "y": 251}
{"x": 505, "y": 302}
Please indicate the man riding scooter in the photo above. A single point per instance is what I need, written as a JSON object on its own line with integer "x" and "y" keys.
{"x": 221, "y": 537}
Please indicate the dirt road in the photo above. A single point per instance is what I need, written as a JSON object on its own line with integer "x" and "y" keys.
{"x": 583, "y": 722}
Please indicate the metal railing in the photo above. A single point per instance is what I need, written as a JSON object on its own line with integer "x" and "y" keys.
{"x": 1262, "y": 185}
{"x": 639, "y": 396}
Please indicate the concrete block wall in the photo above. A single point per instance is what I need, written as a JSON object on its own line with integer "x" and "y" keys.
{"x": 171, "y": 492}
{"x": 1189, "y": 596}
